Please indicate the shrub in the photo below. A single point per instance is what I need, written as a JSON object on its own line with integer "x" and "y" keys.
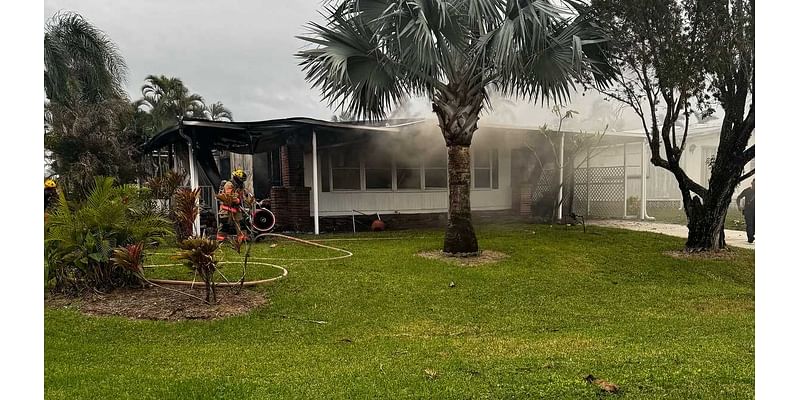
{"x": 80, "y": 236}
{"x": 200, "y": 256}
{"x": 185, "y": 210}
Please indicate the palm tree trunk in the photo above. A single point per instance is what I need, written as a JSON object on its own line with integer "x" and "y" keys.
{"x": 460, "y": 235}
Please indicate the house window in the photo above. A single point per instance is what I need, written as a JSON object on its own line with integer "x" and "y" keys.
{"x": 495, "y": 169}
{"x": 346, "y": 169}
{"x": 378, "y": 169}
{"x": 482, "y": 169}
{"x": 436, "y": 170}
{"x": 325, "y": 169}
{"x": 408, "y": 172}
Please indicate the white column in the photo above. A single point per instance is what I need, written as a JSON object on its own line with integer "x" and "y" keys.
{"x": 561, "y": 179}
{"x": 643, "y": 205}
{"x": 624, "y": 180}
{"x": 194, "y": 182}
{"x": 315, "y": 181}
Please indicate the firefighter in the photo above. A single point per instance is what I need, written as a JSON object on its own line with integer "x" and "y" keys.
{"x": 50, "y": 193}
{"x": 230, "y": 209}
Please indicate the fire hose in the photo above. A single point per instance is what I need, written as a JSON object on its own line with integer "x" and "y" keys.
{"x": 256, "y": 261}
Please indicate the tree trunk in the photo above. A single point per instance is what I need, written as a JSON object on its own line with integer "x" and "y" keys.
{"x": 706, "y": 219}
{"x": 706, "y": 225}
{"x": 458, "y": 107}
{"x": 460, "y": 235}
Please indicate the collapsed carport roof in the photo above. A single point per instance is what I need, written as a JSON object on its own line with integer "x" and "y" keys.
{"x": 260, "y": 136}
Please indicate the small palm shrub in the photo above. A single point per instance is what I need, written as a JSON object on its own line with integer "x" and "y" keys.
{"x": 80, "y": 235}
{"x": 199, "y": 253}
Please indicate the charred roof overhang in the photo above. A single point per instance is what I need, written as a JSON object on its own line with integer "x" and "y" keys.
{"x": 261, "y": 136}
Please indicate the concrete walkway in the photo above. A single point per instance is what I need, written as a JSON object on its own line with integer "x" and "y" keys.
{"x": 732, "y": 238}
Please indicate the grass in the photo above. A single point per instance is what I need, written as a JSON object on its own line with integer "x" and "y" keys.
{"x": 733, "y": 220}
{"x": 562, "y": 305}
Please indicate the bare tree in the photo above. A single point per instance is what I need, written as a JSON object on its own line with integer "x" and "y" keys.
{"x": 676, "y": 59}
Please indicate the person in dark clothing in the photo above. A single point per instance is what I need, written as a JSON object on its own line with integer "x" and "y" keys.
{"x": 749, "y": 210}
{"x": 50, "y": 194}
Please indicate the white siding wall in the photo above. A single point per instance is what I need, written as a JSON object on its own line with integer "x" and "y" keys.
{"x": 419, "y": 201}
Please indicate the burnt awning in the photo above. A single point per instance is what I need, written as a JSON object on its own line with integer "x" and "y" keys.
{"x": 262, "y": 136}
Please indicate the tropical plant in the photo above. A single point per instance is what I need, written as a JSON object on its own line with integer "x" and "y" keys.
{"x": 215, "y": 112}
{"x": 130, "y": 258}
{"x": 81, "y": 235}
{"x": 167, "y": 99}
{"x": 678, "y": 58}
{"x": 200, "y": 258}
{"x": 164, "y": 186}
{"x": 80, "y": 62}
{"x": 186, "y": 208}
{"x": 92, "y": 139}
{"x": 371, "y": 53}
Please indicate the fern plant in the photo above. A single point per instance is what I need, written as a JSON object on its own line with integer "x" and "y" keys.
{"x": 80, "y": 236}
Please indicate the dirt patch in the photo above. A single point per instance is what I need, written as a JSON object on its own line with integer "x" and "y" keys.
{"x": 702, "y": 255}
{"x": 486, "y": 257}
{"x": 160, "y": 304}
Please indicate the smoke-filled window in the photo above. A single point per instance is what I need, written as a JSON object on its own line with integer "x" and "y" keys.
{"x": 346, "y": 168}
{"x": 436, "y": 170}
{"x": 378, "y": 169}
{"x": 495, "y": 169}
{"x": 482, "y": 169}
{"x": 408, "y": 172}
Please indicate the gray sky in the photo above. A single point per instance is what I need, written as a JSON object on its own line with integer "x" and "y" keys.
{"x": 234, "y": 51}
{"x": 240, "y": 52}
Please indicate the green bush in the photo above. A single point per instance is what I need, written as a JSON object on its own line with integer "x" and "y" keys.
{"x": 80, "y": 236}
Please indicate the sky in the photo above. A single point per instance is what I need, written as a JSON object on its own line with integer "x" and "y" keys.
{"x": 242, "y": 54}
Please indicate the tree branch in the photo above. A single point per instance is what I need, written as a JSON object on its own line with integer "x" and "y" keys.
{"x": 747, "y": 175}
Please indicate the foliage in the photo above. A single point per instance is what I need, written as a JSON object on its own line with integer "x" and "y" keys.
{"x": 370, "y": 54}
{"x": 683, "y": 58}
{"x": 167, "y": 99}
{"x": 199, "y": 255}
{"x": 165, "y": 186}
{"x": 130, "y": 258}
{"x": 185, "y": 210}
{"x": 81, "y": 64}
{"x": 80, "y": 237}
{"x": 92, "y": 139}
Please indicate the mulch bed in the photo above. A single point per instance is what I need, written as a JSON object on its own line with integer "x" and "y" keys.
{"x": 702, "y": 255}
{"x": 155, "y": 303}
{"x": 486, "y": 257}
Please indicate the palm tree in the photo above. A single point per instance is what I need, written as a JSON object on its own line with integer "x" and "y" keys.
{"x": 216, "y": 112}
{"x": 80, "y": 62}
{"x": 167, "y": 99}
{"x": 371, "y": 53}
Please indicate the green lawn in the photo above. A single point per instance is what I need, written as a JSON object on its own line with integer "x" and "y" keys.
{"x": 733, "y": 220}
{"x": 562, "y": 305}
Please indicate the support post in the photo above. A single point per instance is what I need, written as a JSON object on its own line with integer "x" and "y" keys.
{"x": 194, "y": 181}
{"x": 588, "y": 169}
{"x": 315, "y": 181}
{"x": 561, "y": 179}
{"x": 643, "y": 200}
{"x": 624, "y": 180}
